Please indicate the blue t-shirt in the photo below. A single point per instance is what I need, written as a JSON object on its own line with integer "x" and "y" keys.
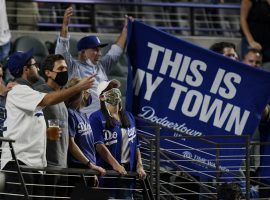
{"x": 80, "y": 129}
{"x": 112, "y": 138}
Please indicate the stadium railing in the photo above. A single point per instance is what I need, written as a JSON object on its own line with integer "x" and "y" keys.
{"x": 171, "y": 168}
{"x": 107, "y": 16}
{"x": 144, "y": 190}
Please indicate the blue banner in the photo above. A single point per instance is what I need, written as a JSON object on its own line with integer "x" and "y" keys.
{"x": 192, "y": 90}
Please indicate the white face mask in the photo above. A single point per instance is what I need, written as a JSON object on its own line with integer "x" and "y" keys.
{"x": 89, "y": 62}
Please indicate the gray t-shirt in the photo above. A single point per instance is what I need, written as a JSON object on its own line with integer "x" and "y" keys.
{"x": 56, "y": 151}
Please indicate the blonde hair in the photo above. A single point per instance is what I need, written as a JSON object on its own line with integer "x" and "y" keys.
{"x": 70, "y": 101}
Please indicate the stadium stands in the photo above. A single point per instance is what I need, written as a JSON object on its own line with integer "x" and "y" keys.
{"x": 199, "y": 23}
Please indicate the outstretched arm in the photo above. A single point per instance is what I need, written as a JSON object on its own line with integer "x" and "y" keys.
{"x": 244, "y": 11}
{"x": 62, "y": 95}
{"x": 121, "y": 41}
{"x": 66, "y": 20}
{"x": 62, "y": 45}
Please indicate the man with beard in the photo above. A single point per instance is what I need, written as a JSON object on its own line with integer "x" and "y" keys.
{"x": 25, "y": 121}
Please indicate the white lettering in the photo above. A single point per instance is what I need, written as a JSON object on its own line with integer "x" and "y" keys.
{"x": 188, "y": 100}
{"x": 178, "y": 89}
{"x": 137, "y": 82}
{"x": 154, "y": 55}
{"x": 151, "y": 87}
{"x": 239, "y": 122}
{"x": 174, "y": 64}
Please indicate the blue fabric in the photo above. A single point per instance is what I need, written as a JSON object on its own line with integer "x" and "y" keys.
{"x": 192, "y": 90}
{"x": 112, "y": 138}
{"x": 18, "y": 60}
{"x": 89, "y": 42}
{"x": 4, "y": 51}
{"x": 80, "y": 129}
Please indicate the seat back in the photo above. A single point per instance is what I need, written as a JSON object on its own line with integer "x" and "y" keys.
{"x": 25, "y": 43}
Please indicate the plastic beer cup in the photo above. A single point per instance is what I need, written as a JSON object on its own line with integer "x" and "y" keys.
{"x": 53, "y": 130}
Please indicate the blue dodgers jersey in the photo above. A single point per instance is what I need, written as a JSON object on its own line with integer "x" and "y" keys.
{"x": 112, "y": 138}
{"x": 80, "y": 129}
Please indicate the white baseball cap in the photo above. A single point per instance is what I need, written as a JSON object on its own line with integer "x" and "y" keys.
{"x": 104, "y": 84}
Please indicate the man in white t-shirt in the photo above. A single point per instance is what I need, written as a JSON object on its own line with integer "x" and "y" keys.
{"x": 25, "y": 121}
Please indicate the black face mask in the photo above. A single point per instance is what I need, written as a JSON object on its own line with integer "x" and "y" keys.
{"x": 61, "y": 78}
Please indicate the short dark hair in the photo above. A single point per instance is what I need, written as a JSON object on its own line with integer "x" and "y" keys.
{"x": 48, "y": 64}
{"x": 252, "y": 50}
{"x": 220, "y": 46}
{"x": 229, "y": 191}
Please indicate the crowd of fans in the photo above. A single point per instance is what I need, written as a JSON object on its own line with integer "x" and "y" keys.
{"x": 77, "y": 111}
{"x": 92, "y": 129}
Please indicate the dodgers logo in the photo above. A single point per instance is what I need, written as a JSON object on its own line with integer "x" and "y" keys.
{"x": 131, "y": 134}
{"x": 110, "y": 137}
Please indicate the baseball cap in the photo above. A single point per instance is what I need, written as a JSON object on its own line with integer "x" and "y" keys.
{"x": 104, "y": 84}
{"x": 89, "y": 42}
{"x": 18, "y": 60}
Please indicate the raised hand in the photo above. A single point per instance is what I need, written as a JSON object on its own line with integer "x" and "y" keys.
{"x": 67, "y": 16}
{"x": 66, "y": 20}
{"x": 255, "y": 45}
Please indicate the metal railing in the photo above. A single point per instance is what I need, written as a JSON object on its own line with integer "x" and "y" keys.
{"x": 145, "y": 190}
{"x": 107, "y": 16}
{"x": 174, "y": 175}
{"x": 169, "y": 174}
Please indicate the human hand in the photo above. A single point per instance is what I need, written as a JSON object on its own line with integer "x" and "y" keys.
{"x": 87, "y": 82}
{"x": 126, "y": 22}
{"x": 128, "y": 18}
{"x": 9, "y": 86}
{"x": 120, "y": 169}
{"x": 67, "y": 16}
{"x": 255, "y": 45}
{"x": 141, "y": 172}
{"x": 99, "y": 169}
{"x": 96, "y": 182}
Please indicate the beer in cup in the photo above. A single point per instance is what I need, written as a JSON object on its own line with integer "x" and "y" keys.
{"x": 53, "y": 130}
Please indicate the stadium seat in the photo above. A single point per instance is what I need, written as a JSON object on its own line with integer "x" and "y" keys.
{"x": 25, "y": 43}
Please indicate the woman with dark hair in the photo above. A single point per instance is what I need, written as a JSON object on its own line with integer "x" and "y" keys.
{"x": 115, "y": 137}
{"x": 81, "y": 141}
